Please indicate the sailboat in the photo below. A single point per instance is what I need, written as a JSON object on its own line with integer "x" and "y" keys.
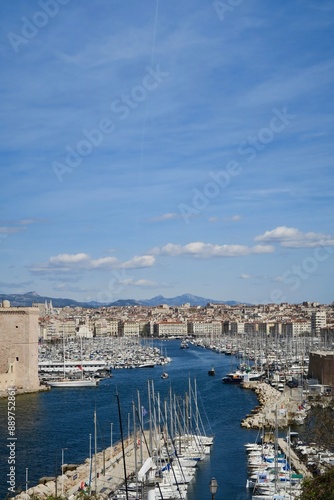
{"x": 73, "y": 382}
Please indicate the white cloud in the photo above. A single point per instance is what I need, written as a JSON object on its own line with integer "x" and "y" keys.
{"x": 138, "y": 261}
{"x": 66, "y": 258}
{"x": 245, "y": 276}
{"x": 291, "y": 237}
{"x": 167, "y": 216}
{"x": 207, "y": 250}
{"x": 103, "y": 262}
{"x": 66, "y": 263}
{"x": 27, "y": 222}
{"x": 10, "y": 230}
{"x": 139, "y": 283}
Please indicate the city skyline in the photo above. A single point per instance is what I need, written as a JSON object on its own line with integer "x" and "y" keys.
{"x": 168, "y": 149}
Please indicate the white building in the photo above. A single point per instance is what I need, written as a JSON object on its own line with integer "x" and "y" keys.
{"x": 318, "y": 321}
{"x": 129, "y": 329}
{"x": 296, "y": 328}
{"x": 205, "y": 328}
{"x": 171, "y": 329}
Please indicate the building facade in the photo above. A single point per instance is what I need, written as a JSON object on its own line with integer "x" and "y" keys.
{"x": 171, "y": 329}
{"x": 318, "y": 321}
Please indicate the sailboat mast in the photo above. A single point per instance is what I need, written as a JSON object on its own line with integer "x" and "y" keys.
{"x": 150, "y": 414}
{"x": 90, "y": 460}
{"x": 123, "y": 450}
{"x": 63, "y": 355}
{"x": 95, "y": 453}
{"x": 135, "y": 442}
{"x": 141, "y": 428}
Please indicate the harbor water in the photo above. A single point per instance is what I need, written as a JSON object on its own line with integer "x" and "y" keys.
{"x": 58, "y": 423}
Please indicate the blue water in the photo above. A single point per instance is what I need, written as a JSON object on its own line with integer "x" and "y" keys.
{"x": 63, "y": 418}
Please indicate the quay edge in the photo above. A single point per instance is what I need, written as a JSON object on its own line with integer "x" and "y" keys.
{"x": 283, "y": 407}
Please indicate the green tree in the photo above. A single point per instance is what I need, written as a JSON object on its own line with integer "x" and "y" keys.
{"x": 319, "y": 428}
{"x": 319, "y": 488}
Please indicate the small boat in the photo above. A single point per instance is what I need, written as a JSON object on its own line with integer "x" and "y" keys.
{"x": 184, "y": 345}
{"x": 211, "y": 371}
{"x": 233, "y": 378}
{"x": 67, "y": 382}
{"x": 164, "y": 375}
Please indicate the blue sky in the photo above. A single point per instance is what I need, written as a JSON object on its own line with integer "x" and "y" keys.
{"x": 167, "y": 147}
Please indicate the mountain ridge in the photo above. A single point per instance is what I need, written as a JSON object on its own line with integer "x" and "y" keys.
{"x": 28, "y": 298}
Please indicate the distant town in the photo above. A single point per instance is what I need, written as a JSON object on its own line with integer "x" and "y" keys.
{"x": 305, "y": 319}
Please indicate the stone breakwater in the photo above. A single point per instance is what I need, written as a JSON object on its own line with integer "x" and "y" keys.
{"x": 108, "y": 476}
{"x": 274, "y": 406}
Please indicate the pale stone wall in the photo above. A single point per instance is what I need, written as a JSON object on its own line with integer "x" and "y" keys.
{"x": 19, "y": 332}
{"x": 321, "y": 367}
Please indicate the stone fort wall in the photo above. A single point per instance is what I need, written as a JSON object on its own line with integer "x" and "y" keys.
{"x": 321, "y": 367}
{"x": 19, "y": 332}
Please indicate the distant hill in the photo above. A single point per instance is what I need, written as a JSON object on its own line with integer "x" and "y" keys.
{"x": 186, "y": 298}
{"x": 27, "y": 299}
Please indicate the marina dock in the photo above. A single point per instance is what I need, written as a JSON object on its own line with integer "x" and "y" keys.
{"x": 294, "y": 460}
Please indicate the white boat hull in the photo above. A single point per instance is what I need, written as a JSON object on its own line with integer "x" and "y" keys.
{"x": 73, "y": 383}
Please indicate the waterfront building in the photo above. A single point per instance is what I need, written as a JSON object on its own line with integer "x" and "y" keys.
{"x": 106, "y": 327}
{"x": 83, "y": 330}
{"x": 263, "y": 328}
{"x": 237, "y": 328}
{"x": 170, "y": 329}
{"x": 205, "y": 328}
{"x": 318, "y": 321}
{"x": 251, "y": 328}
{"x": 19, "y": 333}
{"x": 129, "y": 329}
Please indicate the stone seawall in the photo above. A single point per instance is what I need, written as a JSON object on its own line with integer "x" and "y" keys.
{"x": 107, "y": 474}
{"x": 274, "y": 406}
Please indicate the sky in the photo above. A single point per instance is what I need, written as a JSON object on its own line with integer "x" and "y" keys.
{"x": 162, "y": 148}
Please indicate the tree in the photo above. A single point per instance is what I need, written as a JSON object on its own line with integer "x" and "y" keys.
{"x": 319, "y": 428}
{"x": 319, "y": 488}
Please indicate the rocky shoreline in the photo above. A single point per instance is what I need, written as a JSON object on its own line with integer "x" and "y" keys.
{"x": 19, "y": 391}
{"x": 285, "y": 407}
